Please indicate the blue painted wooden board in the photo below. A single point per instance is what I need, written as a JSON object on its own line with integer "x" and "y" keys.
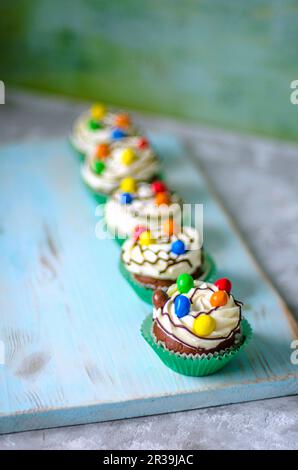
{"x": 70, "y": 322}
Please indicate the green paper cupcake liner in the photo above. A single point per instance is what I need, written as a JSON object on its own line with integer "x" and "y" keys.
{"x": 119, "y": 240}
{"x": 99, "y": 197}
{"x": 195, "y": 366}
{"x": 145, "y": 293}
{"x": 80, "y": 155}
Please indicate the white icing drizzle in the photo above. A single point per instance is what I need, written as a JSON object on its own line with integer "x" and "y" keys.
{"x": 227, "y": 318}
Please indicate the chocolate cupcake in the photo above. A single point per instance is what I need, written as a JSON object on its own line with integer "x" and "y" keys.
{"x": 107, "y": 164}
{"x": 197, "y": 318}
{"x": 141, "y": 204}
{"x": 99, "y": 125}
{"x": 197, "y": 327}
{"x": 155, "y": 260}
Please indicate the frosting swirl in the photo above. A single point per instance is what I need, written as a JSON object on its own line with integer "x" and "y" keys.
{"x": 158, "y": 260}
{"x": 143, "y": 210}
{"x": 143, "y": 168}
{"x": 85, "y": 139}
{"x": 227, "y": 318}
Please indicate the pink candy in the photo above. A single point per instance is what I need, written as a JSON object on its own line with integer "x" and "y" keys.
{"x": 138, "y": 230}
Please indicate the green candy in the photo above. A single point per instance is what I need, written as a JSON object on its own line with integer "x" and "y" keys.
{"x": 185, "y": 282}
{"x": 97, "y": 166}
{"x": 93, "y": 124}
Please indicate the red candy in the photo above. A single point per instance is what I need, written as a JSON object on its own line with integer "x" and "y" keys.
{"x": 224, "y": 284}
{"x": 143, "y": 143}
{"x": 138, "y": 230}
{"x": 158, "y": 187}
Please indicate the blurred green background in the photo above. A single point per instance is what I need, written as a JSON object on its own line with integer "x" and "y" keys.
{"x": 225, "y": 63}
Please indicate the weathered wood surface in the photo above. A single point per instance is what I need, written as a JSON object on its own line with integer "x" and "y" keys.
{"x": 70, "y": 323}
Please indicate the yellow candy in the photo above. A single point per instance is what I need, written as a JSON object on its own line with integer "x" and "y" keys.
{"x": 128, "y": 185}
{"x": 145, "y": 238}
{"x": 172, "y": 290}
{"x": 98, "y": 111}
{"x": 203, "y": 325}
{"x": 128, "y": 156}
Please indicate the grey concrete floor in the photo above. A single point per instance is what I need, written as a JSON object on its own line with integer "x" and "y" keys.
{"x": 257, "y": 180}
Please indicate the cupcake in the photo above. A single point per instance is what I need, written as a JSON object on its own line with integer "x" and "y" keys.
{"x": 197, "y": 327}
{"x": 150, "y": 261}
{"x": 99, "y": 125}
{"x": 141, "y": 204}
{"x": 105, "y": 167}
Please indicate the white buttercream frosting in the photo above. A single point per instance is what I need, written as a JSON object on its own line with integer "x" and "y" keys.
{"x": 158, "y": 261}
{"x": 85, "y": 139}
{"x": 227, "y": 318}
{"x": 143, "y": 168}
{"x": 121, "y": 218}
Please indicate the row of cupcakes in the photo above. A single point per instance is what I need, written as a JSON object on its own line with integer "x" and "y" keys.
{"x": 112, "y": 149}
{"x": 189, "y": 331}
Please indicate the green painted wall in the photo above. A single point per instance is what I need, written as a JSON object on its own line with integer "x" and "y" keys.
{"x": 227, "y": 63}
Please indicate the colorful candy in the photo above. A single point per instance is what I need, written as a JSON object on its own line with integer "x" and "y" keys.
{"x": 224, "y": 284}
{"x": 219, "y": 298}
{"x": 145, "y": 238}
{"x": 159, "y": 298}
{"x": 94, "y": 125}
{"x": 185, "y": 282}
{"x": 162, "y": 198}
{"x": 128, "y": 185}
{"x": 102, "y": 151}
{"x": 98, "y": 111}
{"x": 203, "y": 325}
{"x": 122, "y": 120}
{"x": 97, "y": 166}
{"x": 126, "y": 198}
{"x": 172, "y": 290}
{"x": 143, "y": 143}
{"x": 138, "y": 230}
{"x": 182, "y": 305}
{"x": 169, "y": 227}
{"x": 127, "y": 157}
{"x": 118, "y": 133}
{"x": 178, "y": 247}
{"x": 158, "y": 187}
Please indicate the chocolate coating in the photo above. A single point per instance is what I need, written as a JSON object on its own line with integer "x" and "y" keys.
{"x": 175, "y": 345}
{"x": 159, "y": 298}
{"x": 153, "y": 283}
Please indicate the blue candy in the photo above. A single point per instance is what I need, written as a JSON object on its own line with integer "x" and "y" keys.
{"x": 126, "y": 198}
{"x": 182, "y": 305}
{"x": 118, "y": 134}
{"x": 178, "y": 247}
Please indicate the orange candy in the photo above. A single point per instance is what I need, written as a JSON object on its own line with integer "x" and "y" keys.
{"x": 219, "y": 298}
{"x": 102, "y": 151}
{"x": 162, "y": 198}
{"x": 122, "y": 120}
{"x": 169, "y": 227}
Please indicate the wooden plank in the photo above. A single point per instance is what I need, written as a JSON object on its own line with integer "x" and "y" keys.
{"x": 70, "y": 323}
